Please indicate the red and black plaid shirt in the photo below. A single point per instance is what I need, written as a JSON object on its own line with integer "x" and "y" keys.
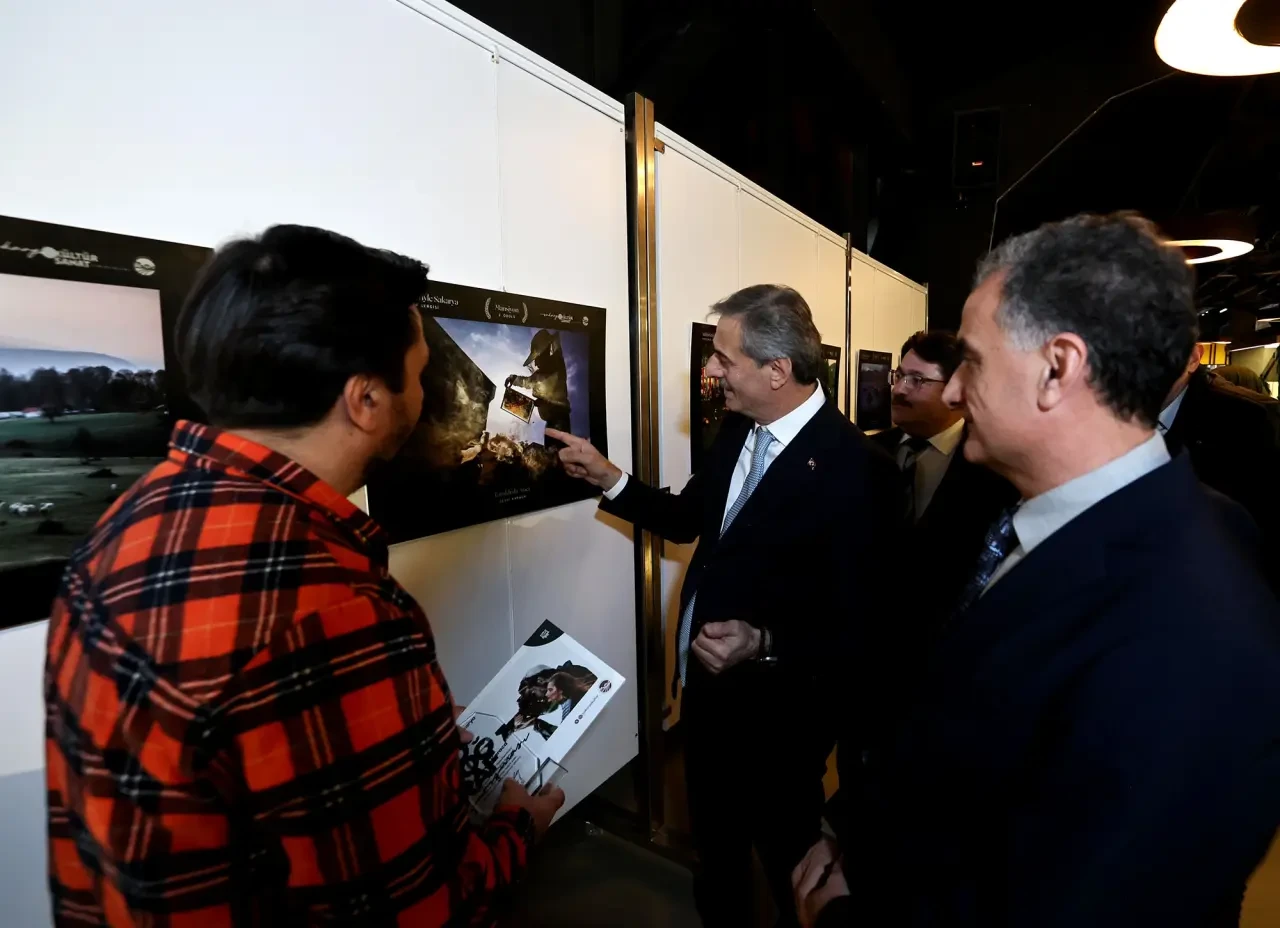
{"x": 246, "y": 721}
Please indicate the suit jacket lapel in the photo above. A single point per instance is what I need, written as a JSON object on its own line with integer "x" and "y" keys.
{"x": 789, "y": 470}
{"x": 1176, "y": 437}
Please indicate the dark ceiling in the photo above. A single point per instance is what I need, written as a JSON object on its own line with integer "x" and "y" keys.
{"x": 846, "y": 110}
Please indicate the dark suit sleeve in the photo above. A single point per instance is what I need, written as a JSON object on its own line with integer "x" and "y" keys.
{"x": 1149, "y": 811}
{"x": 675, "y": 516}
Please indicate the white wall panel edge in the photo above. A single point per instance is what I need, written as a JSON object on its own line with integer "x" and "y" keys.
{"x": 885, "y": 269}
{"x": 694, "y": 153}
{"x": 472, "y": 29}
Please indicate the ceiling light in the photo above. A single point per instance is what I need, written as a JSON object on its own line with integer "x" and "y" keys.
{"x": 1227, "y": 248}
{"x": 1201, "y": 36}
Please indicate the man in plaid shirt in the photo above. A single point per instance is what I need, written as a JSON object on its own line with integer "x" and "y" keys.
{"x": 246, "y": 721}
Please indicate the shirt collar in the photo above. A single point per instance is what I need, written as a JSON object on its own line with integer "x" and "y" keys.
{"x": 945, "y": 441}
{"x": 1170, "y": 412}
{"x": 785, "y": 429}
{"x": 1040, "y": 517}
{"x": 212, "y": 449}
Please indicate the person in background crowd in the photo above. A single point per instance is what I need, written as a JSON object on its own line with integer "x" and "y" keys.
{"x": 795, "y": 513}
{"x": 1232, "y": 436}
{"x": 246, "y": 721}
{"x": 1096, "y": 739}
{"x": 1244, "y": 377}
{"x": 950, "y": 501}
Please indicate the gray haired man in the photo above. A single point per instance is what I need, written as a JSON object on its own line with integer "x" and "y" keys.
{"x": 793, "y": 512}
{"x": 1096, "y": 739}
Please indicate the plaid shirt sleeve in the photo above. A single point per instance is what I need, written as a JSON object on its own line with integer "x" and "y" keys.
{"x": 323, "y": 786}
{"x": 343, "y": 730}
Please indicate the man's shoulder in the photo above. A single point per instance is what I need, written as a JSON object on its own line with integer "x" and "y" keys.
{"x": 186, "y": 534}
{"x": 1222, "y": 396}
{"x": 887, "y": 439}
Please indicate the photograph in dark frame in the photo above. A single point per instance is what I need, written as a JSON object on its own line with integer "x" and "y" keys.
{"x": 706, "y": 396}
{"x": 503, "y": 368}
{"x": 87, "y": 396}
{"x": 874, "y": 392}
{"x": 831, "y": 372}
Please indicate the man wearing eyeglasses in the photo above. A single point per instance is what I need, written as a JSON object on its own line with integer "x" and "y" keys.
{"x": 950, "y": 502}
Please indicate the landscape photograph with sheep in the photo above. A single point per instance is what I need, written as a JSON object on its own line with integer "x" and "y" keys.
{"x": 82, "y": 408}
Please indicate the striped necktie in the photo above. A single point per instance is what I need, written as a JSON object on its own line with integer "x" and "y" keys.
{"x": 759, "y": 457}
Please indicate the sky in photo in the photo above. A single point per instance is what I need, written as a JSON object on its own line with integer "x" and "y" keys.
{"x": 69, "y": 315}
{"x": 500, "y": 349}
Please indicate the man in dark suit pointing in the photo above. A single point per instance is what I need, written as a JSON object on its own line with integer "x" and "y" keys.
{"x": 795, "y": 512}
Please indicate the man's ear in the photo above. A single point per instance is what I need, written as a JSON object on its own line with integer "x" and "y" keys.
{"x": 779, "y": 372}
{"x": 362, "y": 398}
{"x": 1066, "y": 368}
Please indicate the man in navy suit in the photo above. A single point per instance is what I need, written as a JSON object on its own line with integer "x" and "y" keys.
{"x": 950, "y": 501}
{"x": 1096, "y": 739}
{"x": 795, "y": 512}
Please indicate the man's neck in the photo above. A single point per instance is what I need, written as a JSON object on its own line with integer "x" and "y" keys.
{"x": 786, "y": 405}
{"x": 929, "y": 432}
{"x": 1067, "y": 457}
{"x": 318, "y": 450}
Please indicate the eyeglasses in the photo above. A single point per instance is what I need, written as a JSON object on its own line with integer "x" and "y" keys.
{"x": 913, "y": 380}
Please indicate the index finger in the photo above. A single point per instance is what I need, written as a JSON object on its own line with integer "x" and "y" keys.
{"x": 565, "y": 437}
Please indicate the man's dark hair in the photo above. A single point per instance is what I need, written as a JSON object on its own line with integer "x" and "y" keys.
{"x": 1113, "y": 281}
{"x": 776, "y": 323}
{"x": 940, "y": 348}
{"x": 276, "y": 325}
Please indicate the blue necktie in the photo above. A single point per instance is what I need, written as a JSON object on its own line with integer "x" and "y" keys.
{"x": 1000, "y": 541}
{"x": 764, "y": 438}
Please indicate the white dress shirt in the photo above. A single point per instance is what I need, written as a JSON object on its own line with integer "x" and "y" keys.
{"x": 1038, "y": 518}
{"x": 931, "y": 463}
{"x": 1170, "y": 412}
{"x": 784, "y": 431}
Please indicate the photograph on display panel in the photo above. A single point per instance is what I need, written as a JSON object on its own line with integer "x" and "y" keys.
{"x": 86, "y": 398}
{"x": 874, "y": 391}
{"x": 503, "y": 368}
{"x": 706, "y": 396}
{"x": 532, "y": 713}
{"x": 831, "y": 372}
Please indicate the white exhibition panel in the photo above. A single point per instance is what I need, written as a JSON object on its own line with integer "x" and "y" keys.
{"x": 862, "y": 281}
{"x": 412, "y": 129}
{"x": 828, "y": 302}
{"x": 885, "y": 309}
{"x": 776, "y": 249}
{"x": 697, "y": 232}
{"x": 198, "y": 122}
{"x": 22, "y": 698}
{"x": 564, "y": 236}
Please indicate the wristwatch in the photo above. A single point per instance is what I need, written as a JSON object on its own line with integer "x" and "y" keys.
{"x": 765, "y": 654}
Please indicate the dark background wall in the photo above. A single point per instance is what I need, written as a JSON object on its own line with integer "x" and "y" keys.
{"x": 846, "y": 110}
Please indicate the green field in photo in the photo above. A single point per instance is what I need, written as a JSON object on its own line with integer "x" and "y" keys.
{"x": 45, "y": 462}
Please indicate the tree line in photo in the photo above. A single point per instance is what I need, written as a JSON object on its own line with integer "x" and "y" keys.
{"x": 83, "y": 389}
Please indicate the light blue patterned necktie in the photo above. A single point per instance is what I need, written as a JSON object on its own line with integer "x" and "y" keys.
{"x": 759, "y": 455}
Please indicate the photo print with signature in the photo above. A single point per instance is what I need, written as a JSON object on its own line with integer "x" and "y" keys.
{"x": 86, "y": 397}
{"x": 533, "y": 712}
{"x": 503, "y": 368}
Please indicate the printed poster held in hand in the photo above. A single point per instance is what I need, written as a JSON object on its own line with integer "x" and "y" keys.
{"x": 531, "y": 715}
